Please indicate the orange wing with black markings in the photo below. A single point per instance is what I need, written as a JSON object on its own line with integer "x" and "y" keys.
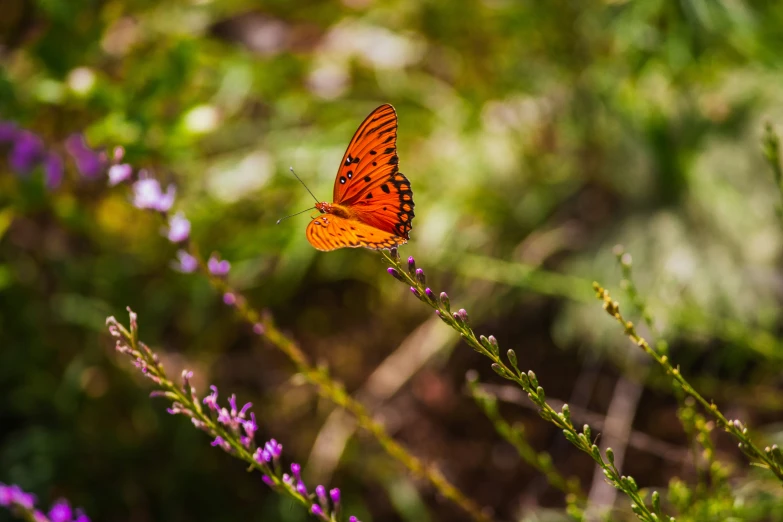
{"x": 373, "y": 201}
{"x": 330, "y": 232}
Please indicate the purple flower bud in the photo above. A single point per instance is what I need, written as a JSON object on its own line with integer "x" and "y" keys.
{"x": 268, "y": 481}
{"x": 118, "y": 153}
{"x": 81, "y": 517}
{"x": 26, "y": 153}
{"x": 420, "y": 276}
{"x": 411, "y": 265}
{"x": 394, "y": 273}
{"x": 493, "y": 342}
{"x": 353, "y": 519}
{"x": 179, "y": 228}
{"x": 430, "y": 294}
{"x": 148, "y": 195}
{"x": 38, "y": 516}
{"x": 218, "y": 267}
{"x": 301, "y": 488}
{"x": 320, "y": 492}
{"x": 415, "y": 292}
{"x": 218, "y": 441}
{"x": 317, "y": 511}
{"x": 444, "y": 300}
{"x": 187, "y": 263}
{"x": 229, "y": 299}
{"x": 53, "y": 170}
{"x": 463, "y": 315}
{"x": 296, "y": 469}
{"x": 119, "y": 173}
{"x": 335, "y": 494}
{"x": 258, "y": 329}
{"x": 61, "y": 512}
{"x": 394, "y": 253}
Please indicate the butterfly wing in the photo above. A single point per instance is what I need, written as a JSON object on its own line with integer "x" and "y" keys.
{"x": 368, "y": 180}
{"x": 330, "y": 232}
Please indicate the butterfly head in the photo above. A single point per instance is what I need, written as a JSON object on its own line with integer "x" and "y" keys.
{"x": 324, "y": 207}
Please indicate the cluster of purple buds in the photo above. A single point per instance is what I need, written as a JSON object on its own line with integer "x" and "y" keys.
{"x": 235, "y": 420}
{"x": 14, "y": 498}
{"x": 417, "y": 274}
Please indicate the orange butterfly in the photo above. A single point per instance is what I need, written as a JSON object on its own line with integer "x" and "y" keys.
{"x": 373, "y": 202}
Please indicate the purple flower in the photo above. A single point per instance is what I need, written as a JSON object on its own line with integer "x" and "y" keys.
{"x": 229, "y": 299}
{"x": 81, "y": 517}
{"x": 335, "y": 494}
{"x": 211, "y": 399}
{"x": 220, "y": 441}
{"x": 6, "y": 495}
{"x": 26, "y": 500}
{"x": 119, "y": 173}
{"x": 27, "y": 152}
{"x": 274, "y": 448}
{"x": 89, "y": 162}
{"x": 179, "y": 228}
{"x": 147, "y": 194}
{"x": 187, "y": 263}
{"x": 40, "y": 517}
{"x": 53, "y": 170}
{"x": 268, "y": 481}
{"x": 317, "y": 511}
{"x": 61, "y": 511}
{"x": 258, "y": 329}
{"x": 218, "y": 267}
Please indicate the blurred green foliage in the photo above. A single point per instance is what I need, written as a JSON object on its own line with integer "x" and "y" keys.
{"x": 536, "y": 136}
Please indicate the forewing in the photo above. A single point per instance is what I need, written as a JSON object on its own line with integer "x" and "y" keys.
{"x": 371, "y": 157}
{"x": 330, "y": 232}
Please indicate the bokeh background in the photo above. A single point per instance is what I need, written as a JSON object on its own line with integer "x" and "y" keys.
{"x": 536, "y": 135}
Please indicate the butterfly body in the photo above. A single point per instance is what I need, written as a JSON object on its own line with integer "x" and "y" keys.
{"x": 373, "y": 201}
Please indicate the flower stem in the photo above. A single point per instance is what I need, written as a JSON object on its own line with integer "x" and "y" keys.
{"x": 488, "y": 347}
{"x": 769, "y": 458}
{"x": 329, "y": 389}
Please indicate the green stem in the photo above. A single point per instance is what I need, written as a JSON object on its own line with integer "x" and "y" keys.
{"x": 766, "y": 459}
{"x": 528, "y": 382}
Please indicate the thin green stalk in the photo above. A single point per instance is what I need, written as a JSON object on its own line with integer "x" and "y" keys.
{"x": 770, "y": 458}
{"x": 514, "y": 435}
{"x": 333, "y": 391}
{"x": 488, "y": 347}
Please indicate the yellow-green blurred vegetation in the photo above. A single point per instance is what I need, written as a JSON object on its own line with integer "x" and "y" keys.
{"x": 536, "y": 136}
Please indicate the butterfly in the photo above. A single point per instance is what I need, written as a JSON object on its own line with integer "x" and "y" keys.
{"x": 373, "y": 201}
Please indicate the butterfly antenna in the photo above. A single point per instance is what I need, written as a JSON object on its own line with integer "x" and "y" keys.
{"x": 292, "y": 215}
{"x": 303, "y": 184}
